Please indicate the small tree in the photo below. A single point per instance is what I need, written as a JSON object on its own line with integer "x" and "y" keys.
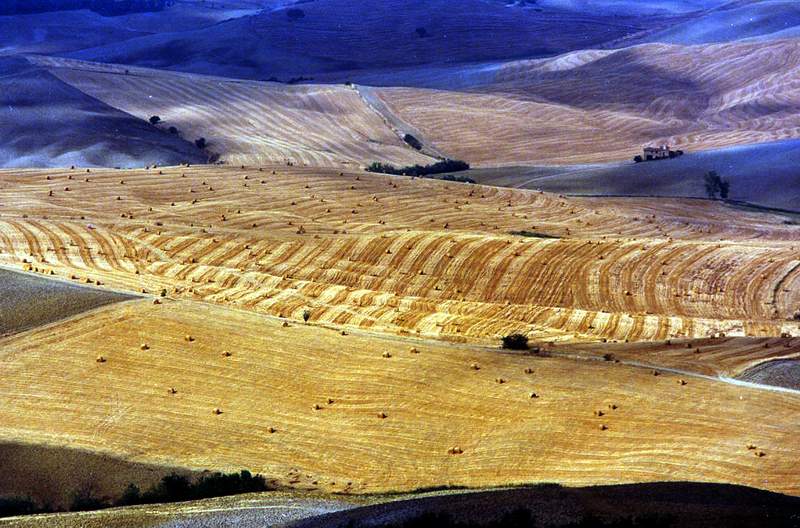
{"x": 638, "y": 159}
{"x": 154, "y": 120}
{"x": 716, "y": 186}
{"x": 201, "y": 143}
{"x": 515, "y": 342}
{"x": 173, "y": 130}
{"x": 295, "y": 14}
{"x": 306, "y": 315}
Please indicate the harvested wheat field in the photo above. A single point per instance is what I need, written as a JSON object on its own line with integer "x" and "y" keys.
{"x": 409, "y": 256}
{"x": 570, "y": 109}
{"x": 246, "y": 121}
{"x": 316, "y": 409}
{"x": 389, "y": 384}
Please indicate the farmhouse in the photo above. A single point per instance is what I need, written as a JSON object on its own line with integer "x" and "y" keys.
{"x": 658, "y": 153}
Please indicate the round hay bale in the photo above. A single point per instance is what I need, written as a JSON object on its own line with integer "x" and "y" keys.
{"x": 144, "y": 346}
{"x": 226, "y": 354}
{"x": 382, "y": 415}
{"x": 172, "y": 390}
{"x": 387, "y": 355}
{"x": 603, "y": 427}
{"x": 316, "y": 407}
{"x": 188, "y": 338}
{"x": 217, "y": 411}
{"x": 101, "y": 359}
{"x": 681, "y": 382}
{"x": 414, "y": 350}
{"x": 475, "y": 366}
{"x": 528, "y": 370}
{"x": 272, "y": 430}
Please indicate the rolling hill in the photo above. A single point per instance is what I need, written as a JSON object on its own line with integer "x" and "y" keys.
{"x": 243, "y": 122}
{"x": 394, "y": 381}
{"x": 45, "y": 122}
{"x": 571, "y": 109}
{"x": 339, "y": 35}
{"x": 764, "y": 174}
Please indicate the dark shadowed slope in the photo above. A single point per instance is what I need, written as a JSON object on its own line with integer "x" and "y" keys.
{"x": 687, "y": 504}
{"x": 766, "y": 174}
{"x": 339, "y": 35}
{"x": 45, "y": 122}
{"x": 27, "y": 301}
{"x": 742, "y": 19}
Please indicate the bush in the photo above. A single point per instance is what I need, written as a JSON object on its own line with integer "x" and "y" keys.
{"x": 515, "y": 342}
{"x": 154, "y": 120}
{"x": 412, "y": 142}
{"x": 421, "y": 32}
{"x": 638, "y": 159}
{"x": 439, "y": 167}
{"x": 10, "y": 506}
{"x": 716, "y": 186}
{"x": 173, "y": 130}
{"x": 201, "y": 143}
{"x": 295, "y": 14}
{"x": 86, "y": 499}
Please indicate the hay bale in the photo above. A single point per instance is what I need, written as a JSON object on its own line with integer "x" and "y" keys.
{"x": 599, "y": 413}
{"x": 172, "y": 390}
{"x": 386, "y": 355}
{"x": 681, "y": 382}
{"x": 455, "y": 451}
{"x": 217, "y": 411}
{"x": 500, "y": 381}
{"x": 330, "y": 401}
{"x": 613, "y": 406}
{"x": 188, "y": 338}
{"x": 759, "y": 454}
{"x": 144, "y": 346}
{"x": 533, "y": 395}
{"x": 414, "y": 350}
{"x": 528, "y": 370}
{"x": 382, "y": 415}
{"x": 101, "y": 359}
{"x": 316, "y": 407}
{"x": 226, "y": 354}
{"x": 603, "y": 427}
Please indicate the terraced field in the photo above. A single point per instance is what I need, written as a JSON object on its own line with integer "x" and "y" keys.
{"x": 409, "y": 256}
{"x": 247, "y": 121}
{"x": 567, "y": 109}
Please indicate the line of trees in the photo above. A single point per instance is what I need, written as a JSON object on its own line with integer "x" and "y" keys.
{"x": 171, "y": 488}
{"x": 439, "y": 167}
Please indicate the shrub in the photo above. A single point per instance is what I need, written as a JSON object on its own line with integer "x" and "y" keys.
{"x": 154, "y": 120}
{"x": 638, "y": 159}
{"x": 173, "y": 130}
{"x": 295, "y": 13}
{"x": 86, "y": 499}
{"x": 716, "y": 186}
{"x": 10, "y": 506}
{"x": 412, "y": 142}
{"x": 306, "y": 315}
{"x": 201, "y": 143}
{"x": 515, "y": 342}
{"x": 421, "y": 32}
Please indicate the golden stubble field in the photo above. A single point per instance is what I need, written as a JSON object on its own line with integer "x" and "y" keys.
{"x": 394, "y": 382}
